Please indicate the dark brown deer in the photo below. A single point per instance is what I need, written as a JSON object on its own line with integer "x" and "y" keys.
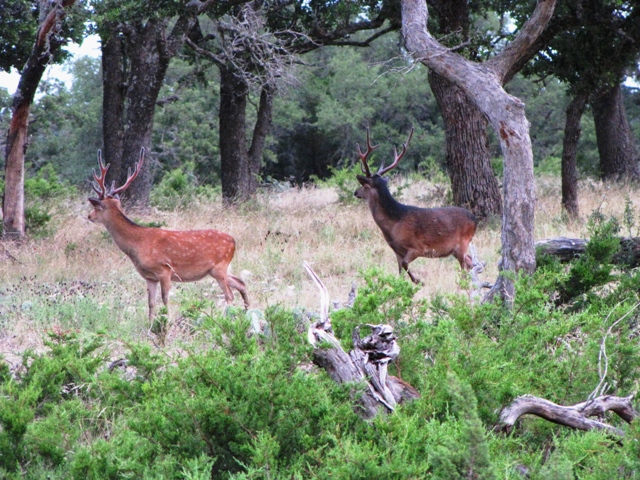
{"x": 410, "y": 231}
{"x": 161, "y": 256}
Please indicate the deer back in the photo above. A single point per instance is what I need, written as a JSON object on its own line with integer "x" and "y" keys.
{"x": 189, "y": 254}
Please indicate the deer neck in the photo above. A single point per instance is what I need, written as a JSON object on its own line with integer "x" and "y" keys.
{"x": 125, "y": 232}
{"x": 385, "y": 209}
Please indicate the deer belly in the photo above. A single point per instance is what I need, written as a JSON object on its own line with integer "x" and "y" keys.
{"x": 436, "y": 252}
{"x": 187, "y": 275}
{"x": 177, "y": 272}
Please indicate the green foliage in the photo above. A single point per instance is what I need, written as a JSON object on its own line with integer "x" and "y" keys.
{"x": 178, "y": 189}
{"x": 68, "y": 131}
{"x": 42, "y": 411}
{"x": 238, "y": 404}
{"x": 384, "y": 298}
{"x": 594, "y": 268}
{"x": 343, "y": 180}
{"x": 42, "y": 193}
{"x": 629, "y": 217}
{"x": 45, "y": 184}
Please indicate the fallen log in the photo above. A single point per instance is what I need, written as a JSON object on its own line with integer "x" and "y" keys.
{"x": 574, "y": 416}
{"x": 366, "y": 364}
{"x": 567, "y": 249}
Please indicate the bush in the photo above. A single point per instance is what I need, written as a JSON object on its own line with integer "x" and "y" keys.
{"x": 236, "y": 404}
{"x": 343, "y": 181}
{"x": 43, "y": 193}
{"x": 178, "y": 188}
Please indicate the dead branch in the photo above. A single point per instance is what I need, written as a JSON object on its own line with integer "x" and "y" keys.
{"x": 478, "y": 268}
{"x": 603, "y": 369}
{"x": 575, "y": 416}
{"x": 366, "y": 364}
{"x": 567, "y": 249}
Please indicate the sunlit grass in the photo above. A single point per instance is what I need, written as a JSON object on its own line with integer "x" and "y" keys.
{"x": 78, "y": 279}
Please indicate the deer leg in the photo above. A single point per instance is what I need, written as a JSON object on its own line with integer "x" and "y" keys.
{"x": 403, "y": 264}
{"x": 224, "y": 285}
{"x": 239, "y": 285}
{"x": 466, "y": 263}
{"x": 165, "y": 286}
{"x": 152, "y": 290}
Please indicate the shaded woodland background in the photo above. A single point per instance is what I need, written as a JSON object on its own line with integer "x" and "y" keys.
{"x": 317, "y": 122}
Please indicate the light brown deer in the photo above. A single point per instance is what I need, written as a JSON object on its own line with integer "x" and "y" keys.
{"x": 410, "y": 231}
{"x": 161, "y": 256}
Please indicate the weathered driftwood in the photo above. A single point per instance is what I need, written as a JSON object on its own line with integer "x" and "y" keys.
{"x": 567, "y": 249}
{"x": 575, "y": 416}
{"x": 366, "y": 364}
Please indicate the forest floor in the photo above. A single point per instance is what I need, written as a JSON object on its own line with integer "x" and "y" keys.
{"x": 77, "y": 279}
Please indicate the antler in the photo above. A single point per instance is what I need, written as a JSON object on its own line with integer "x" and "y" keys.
{"x": 130, "y": 176}
{"x": 98, "y": 182}
{"x": 363, "y": 156}
{"x": 397, "y": 158}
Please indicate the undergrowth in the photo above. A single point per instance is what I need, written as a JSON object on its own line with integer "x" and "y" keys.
{"x": 241, "y": 403}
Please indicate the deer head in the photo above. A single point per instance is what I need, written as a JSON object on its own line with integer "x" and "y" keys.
{"x": 108, "y": 198}
{"x": 370, "y": 184}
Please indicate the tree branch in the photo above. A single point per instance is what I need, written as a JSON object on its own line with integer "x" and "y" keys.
{"x": 520, "y": 50}
{"x": 575, "y": 416}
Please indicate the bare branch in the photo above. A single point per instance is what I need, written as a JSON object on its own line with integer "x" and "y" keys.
{"x": 575, "y": 416}
{"x": 602, "y": 386}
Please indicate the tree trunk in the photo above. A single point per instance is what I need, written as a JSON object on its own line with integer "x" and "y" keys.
{"x": 260, "y": 132}
{"x": 574, "y": 416}
{"x": 575, "y": 109}
{"x": 483, "y": 86}
{"x": 241, "y": 166}
{"x": 568, "y": 249}
{"x": 234, "y": 157}
{"x": 147, "y": 49}
{"x": 114, "y": 88}
{"x": 46, "y": 44}
{"x": 616, "y": 145}
{"x": 473, "y": 182}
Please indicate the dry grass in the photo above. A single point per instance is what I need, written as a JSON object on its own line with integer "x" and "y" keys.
{"x": 274, "y": 236}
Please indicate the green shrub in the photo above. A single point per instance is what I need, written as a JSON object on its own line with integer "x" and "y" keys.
{"x": 43, "y": 192}
{"x": 233, "y": 403}
{"x": 343, "y": 181}
{"x": 178, "y": 188}
{"x": 594, "y": 268}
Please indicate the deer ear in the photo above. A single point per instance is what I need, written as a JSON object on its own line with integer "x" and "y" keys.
{"x": 362, "y": 180}
{"x": 97, "y": 203}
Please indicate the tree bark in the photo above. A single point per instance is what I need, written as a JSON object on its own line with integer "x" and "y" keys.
{"x": 140, "y": 63}
{"x": 259, "y": 138}
{"x": 46, "y": 44}
{"x": 483, "y": 86}
{"x": 241, "y": 166}
{"x": 234, "y": 157}
{"x": 572, "y": 130}
{"x": 366, "y": 365}
{"x": 616, "y": 144}
{"x": 114, "y": 88}
{"x": 468, "y": 159}
{"x": 473, "y": 182}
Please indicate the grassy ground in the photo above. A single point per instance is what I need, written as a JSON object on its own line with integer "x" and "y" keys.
{"x": 76, "y": 278}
